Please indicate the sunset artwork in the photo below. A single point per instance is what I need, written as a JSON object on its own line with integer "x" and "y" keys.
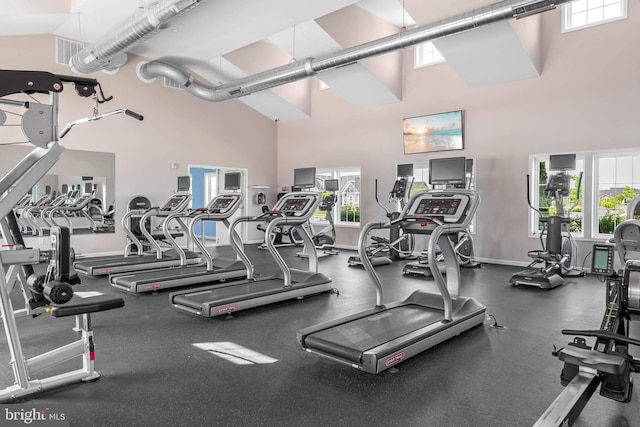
{"x": 436, "y": 132}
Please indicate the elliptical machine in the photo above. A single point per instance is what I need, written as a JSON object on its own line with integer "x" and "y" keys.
{"x": 555, "y": 260}
{"x": 325, "y": 239}
{"x": 399, "y": 245}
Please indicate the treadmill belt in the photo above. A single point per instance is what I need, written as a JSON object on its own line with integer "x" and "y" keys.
{"x": 349, "y": 340}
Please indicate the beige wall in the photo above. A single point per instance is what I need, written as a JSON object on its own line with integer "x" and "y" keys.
{"x": 586, "y": 99}
{"x": 177, "y": 128}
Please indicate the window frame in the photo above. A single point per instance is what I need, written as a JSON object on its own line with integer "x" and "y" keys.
{"x": 534, "y": 192}
{"x": 590, "y": 193}
{"x": 418, "y": 56}
{"x": 567, "y": 15}
{"x": 336, "y": 173}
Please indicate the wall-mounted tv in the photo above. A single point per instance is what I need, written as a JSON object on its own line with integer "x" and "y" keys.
{"x": 448, "y": 171}
{"x": 435, "y": 132}
{"x": 232, "y": 180}
{"x": 184, "y": 183}
{"x": 304, "y": 177}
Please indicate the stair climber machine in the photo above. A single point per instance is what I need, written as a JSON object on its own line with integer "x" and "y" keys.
{"x": 377, "y": 339}
{"x": 157, "y": 258}
{"x": 399, "y": 245}
{"x": 454, "y": 172}
{"x": 50, "y": 293}
{"x": 556, "y": 260}
{"x": 221, "y": 208}
{"x": 325, "y": 239}
{"x": 607, "y": 363}
{"x": 293, "y": 209}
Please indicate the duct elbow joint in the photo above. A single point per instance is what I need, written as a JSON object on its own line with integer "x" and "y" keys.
{"x": 143, "y": 74}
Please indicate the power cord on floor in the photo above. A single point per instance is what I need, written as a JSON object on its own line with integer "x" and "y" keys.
{"x": 495, "y": 324}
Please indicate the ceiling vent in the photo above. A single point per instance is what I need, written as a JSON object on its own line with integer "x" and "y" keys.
{"x": 65, "y": 49}
{"x": 170, "y": 83}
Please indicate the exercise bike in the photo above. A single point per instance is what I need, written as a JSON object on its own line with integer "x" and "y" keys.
{"x": 555, "y": 261}
{"x": 607, "y": 363}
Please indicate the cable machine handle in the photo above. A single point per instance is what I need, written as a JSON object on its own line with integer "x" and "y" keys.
{"x": 134, "y": 114}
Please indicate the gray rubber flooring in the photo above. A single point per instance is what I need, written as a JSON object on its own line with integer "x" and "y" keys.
{"x": 154, "y": 375}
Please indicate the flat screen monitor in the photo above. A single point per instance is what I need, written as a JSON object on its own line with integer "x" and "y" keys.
{"x": 405, "y": 170}
{"x": 562, "y": 162}
{"x": 331, "y": 185}
{"x": 304, "y": 177}
{"x": 184, "y": 183}
{"x": 449, "y": 171}
{"x": 232, "y": 180}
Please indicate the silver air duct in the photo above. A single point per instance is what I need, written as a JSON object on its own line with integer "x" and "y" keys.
{"x": 299, "y": 70}
{"x": 143, "y": 24}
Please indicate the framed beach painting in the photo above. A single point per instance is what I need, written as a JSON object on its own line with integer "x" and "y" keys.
{"x": 435, "y": 132}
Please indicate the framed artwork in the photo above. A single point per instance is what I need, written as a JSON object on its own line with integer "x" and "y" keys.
{"x": 435, "y": 132}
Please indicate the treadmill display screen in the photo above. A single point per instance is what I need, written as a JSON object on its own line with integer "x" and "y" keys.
{"x": 223, "y": 204}
{"x": 173, "y": 203}
{"x": 437, "y": 207}
{"x": 294, "y": 205}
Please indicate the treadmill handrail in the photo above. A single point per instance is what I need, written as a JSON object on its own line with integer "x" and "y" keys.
{"x": 446, "y": 247}
{"x": 296, "y": 221}
{"x": 134, "y": 240}
{"x": 157, "y": 212}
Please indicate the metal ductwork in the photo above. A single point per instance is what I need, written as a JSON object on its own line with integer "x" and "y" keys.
{"x": 301, "y": 69}
{"x": 109, "y": 51}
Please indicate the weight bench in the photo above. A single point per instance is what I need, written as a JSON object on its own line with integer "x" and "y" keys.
{"x": 23, "y": 369}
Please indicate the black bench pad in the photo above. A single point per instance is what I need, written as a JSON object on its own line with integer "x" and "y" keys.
{"x": 91, "y": 304}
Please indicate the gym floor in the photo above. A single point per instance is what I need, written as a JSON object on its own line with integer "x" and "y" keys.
{"x": 153, "y": 375}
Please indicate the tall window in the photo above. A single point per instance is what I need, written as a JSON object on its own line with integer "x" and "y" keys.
{"x": 572, "y": 204}
{"x": 586, "y": 13}
{"x": 427, "y": 54}
{"x": 347, "y": 208}
{"x": 618, "y": 182}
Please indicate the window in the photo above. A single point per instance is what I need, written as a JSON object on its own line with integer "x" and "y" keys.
{"x": 618, "y": 182}
{"x": 610, "y": 182}
{"x": 587, "y": 13}
{"x": 572, "y": 205}
{"x": 427, "y": 54}
{"x": 347, "y": 208}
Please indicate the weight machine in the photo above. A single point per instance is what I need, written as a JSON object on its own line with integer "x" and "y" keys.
{"x": 51, "y": 293}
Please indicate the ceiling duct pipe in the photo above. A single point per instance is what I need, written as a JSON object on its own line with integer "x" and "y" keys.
{"x": 308, "y": 67}
{"x": 143, "y": 24}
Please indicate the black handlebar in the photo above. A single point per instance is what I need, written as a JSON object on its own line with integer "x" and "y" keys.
{"x": 134, "y": 114}
{"x": 598, "y": 333}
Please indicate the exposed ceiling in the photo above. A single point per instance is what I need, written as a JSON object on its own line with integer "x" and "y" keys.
{"x": 223, "y": 40}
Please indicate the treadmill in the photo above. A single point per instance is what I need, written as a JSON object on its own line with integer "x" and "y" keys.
{"x": 102, "y": 266}
{"x": 376, "y": 339}
{"x": 293, "y": 209}
{"x": 221, "y": 208}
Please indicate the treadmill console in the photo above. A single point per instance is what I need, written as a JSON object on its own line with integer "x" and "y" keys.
{"x": 176, "y": 203}
{"x": 224, "y": 205}
{"x": 300, "y": 206}
{"x": 435, "y": 209}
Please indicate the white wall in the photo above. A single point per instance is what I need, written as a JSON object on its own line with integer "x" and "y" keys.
{"x": 585, "y": 99}
{"x": 177, "y": 128}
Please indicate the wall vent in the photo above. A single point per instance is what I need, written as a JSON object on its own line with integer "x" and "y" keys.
{"x": 65, "y": 49}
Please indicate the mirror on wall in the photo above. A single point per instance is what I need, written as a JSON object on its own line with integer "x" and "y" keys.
{"x": 78, "y": 175}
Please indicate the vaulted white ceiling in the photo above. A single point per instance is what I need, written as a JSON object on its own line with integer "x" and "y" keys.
{"x": 223, "y": 40}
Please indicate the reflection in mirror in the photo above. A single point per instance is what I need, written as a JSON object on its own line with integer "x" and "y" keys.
{"x": 78, "y": 192}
